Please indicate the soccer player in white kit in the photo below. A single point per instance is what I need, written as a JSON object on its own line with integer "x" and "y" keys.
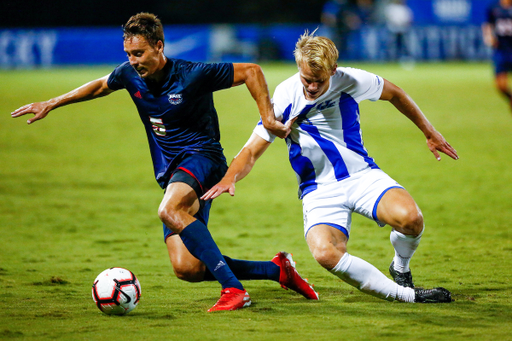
{"x": 320, "y": 104}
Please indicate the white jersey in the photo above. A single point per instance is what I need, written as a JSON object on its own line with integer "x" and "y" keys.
{"x": 325, "y": 144}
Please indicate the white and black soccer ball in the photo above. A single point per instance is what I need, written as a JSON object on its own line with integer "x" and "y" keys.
{"x": 116, "y": 291}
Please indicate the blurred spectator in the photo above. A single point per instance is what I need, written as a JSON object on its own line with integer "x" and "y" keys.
{"x": 399, "y": 18}
{"x": 497, "y": 34}
{"x": 365, "y": 11}
{"x": 225, "y": 46}
{"x": 340, "y": 18}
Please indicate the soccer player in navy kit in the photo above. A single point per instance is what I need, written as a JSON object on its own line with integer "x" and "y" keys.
{"x": 175, "y": 103}
{"x": 497, "y": 33}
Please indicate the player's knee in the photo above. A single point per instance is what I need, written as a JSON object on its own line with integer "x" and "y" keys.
{"x": 165, "y": 215}
{"x": 411, "y": 222}
{"x": 169, "y": 216}
{"x": 327, "y": 255}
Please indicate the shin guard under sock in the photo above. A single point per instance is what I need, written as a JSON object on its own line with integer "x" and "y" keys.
{"x": 201, "y": 245}
{"x": 249, "y": 270}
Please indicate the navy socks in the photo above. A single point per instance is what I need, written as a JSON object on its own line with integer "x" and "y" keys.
{"x": 201, "y": 245}
{"x": 249, "y": 270}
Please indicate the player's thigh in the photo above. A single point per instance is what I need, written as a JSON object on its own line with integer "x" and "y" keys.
{"x": 179, "y": 204}
{"x": 181, "y": 196}
{"x": 502, "y": 67}
{"x": 327, "y": 205}
{"x": 185, "y": 266}
{"x": 327, "y": 244}
{"x": 398, "y": 209}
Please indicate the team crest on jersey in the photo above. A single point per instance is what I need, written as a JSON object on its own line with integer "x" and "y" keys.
{"x": 327, "y": 104}
{"x": 175, "y": 99}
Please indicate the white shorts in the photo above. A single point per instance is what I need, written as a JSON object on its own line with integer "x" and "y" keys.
{"x": 333, "y": 204}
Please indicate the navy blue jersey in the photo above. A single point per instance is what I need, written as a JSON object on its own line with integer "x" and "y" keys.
{"x": 501, "y": 20}
{"x": 178, "y": 113}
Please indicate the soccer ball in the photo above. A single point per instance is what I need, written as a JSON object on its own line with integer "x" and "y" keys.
{"x": 116, "y": 291}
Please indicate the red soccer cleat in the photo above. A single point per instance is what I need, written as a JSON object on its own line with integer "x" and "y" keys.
{"x": 231, "y": 299}
{"x": 289, "y": 278}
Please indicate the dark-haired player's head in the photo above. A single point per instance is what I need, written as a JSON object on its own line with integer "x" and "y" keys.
{"x": 146, "y": 25}
{"x": 144, "y": 45}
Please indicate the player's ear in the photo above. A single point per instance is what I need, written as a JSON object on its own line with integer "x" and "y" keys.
{"x": 334, "y": 70}
{"x": 160, "y": 46}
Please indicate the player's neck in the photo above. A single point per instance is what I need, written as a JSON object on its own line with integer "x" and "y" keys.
{"x": 159, "y": 74}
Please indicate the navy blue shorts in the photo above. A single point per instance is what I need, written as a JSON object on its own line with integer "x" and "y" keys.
{"x": 200, "y": 173}
{"x": 502, "y": 62}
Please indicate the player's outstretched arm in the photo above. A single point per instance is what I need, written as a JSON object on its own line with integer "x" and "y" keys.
{"x": 240, "y": 166}
{"x": 91, "y": 90}
{"x": 405, "y": 104}
{"x": 253, "y": 77}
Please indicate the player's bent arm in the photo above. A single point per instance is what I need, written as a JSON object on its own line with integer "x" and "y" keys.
{"x": 94, "y": 89}
{"x": 252, "y": 76}
{"x": 405, "y": 104}
{"x": 241, "y": 165}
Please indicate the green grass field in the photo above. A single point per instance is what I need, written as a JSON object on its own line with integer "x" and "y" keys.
{"x": 77, "y": 196}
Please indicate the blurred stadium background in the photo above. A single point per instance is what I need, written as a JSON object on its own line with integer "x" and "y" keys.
{"x": 44, "y": 33}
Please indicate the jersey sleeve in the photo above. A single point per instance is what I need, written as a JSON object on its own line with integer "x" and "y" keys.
{"x": 213, "y": 76}
{"x": 264, "y": 133}
{"x": 281, "y": 103}
{"x": 369, "y": 85}
{"x": 114, "y": 81}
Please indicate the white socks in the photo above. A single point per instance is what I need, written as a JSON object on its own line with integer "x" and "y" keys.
{"x": 405, "y": 246}
{"x": 370, "y": 280}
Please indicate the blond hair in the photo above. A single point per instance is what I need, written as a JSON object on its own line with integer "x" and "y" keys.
{"x": 319, "y": 53}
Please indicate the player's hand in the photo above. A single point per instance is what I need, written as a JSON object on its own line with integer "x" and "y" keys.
{"x": 218, "y": 189}
{"x": 279, "y": 129}
{"x": 39, "y": 109}
{"x": 436, "y": 142}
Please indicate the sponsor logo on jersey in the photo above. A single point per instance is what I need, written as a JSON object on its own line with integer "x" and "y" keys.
{"x": 175, "y": 99}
